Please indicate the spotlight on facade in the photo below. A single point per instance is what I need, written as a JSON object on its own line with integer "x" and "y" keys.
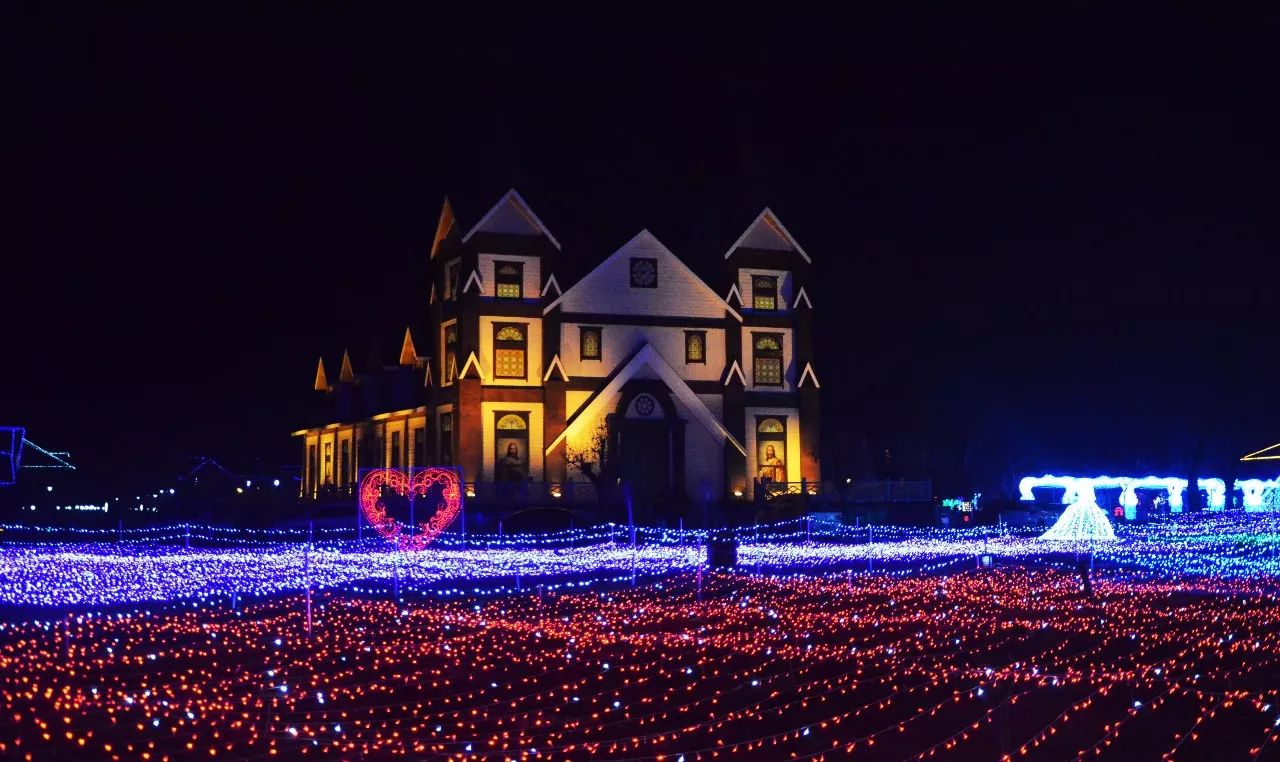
{"x": 239, "y": 490}
{"x": 248, "y": 483}
{"x": 49, "y": 488}
{"x": 275, "y": 482}
{"x": 737, "y": 493}
{"x": 171, "y": 490}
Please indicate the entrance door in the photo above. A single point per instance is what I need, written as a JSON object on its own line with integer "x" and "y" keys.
{"x": 644, "y": 447}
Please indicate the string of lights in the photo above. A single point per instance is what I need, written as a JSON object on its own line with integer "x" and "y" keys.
{"x": 984, "y": 664}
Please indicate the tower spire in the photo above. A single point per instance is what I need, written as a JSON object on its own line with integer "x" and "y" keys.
{"x": 346, "y": 375}
{"x": 408, "y": 353}
{"x": 322, "y": 382}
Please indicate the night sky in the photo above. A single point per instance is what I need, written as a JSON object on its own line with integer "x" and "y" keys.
{"x": 1046, "y": 242}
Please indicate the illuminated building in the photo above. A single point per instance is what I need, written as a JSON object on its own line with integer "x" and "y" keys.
{"x": 641, "y": 371}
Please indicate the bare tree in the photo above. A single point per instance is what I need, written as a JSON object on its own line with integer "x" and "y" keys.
{"x": 592, "y": 460}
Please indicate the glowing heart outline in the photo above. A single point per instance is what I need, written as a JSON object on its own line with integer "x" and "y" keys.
{"x": 376, "y": 514}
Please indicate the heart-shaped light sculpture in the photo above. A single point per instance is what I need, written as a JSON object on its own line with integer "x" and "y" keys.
{"x": 375, "y": 511}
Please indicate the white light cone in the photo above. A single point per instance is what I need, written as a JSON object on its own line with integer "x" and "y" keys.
{"x": 1082, "y": 521}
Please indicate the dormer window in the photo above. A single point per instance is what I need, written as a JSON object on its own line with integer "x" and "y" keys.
{"x": 509, "y": 280}
{"x": 764, "y": 292}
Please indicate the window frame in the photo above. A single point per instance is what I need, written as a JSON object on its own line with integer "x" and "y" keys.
{"x": 582, "y": 342}
{"x": 452, "y": 271}
{"x": 688, "y": 359}
{"x": 449, "y": 373}
{"x": 508, "y": 345}
{"x": 757, "y": 354}
{"x": 772, "y": 292}
{"x": 499, "y": 280}
{"x": 344, "y": 463}
{"x": 445, "y": 456}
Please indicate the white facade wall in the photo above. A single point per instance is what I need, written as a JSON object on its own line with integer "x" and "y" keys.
{"x": 620, "y": 341}
{"x": 704, "y": 463}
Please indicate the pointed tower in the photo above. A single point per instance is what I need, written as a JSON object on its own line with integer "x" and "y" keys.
{"x": 408, "y": 353}
{"x": 322, "y": 382}
{"x": 769, "y": 273}
{"x": 347, "y": 374}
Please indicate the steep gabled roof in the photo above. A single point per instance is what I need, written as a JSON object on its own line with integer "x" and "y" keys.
{"x": 646, "y": 243}
{"x": 443, "y": 227}
{"x": 767, "y": 232}
{"x": 649, "y": 357}
{"x": 347, "y": 373}
{"x": 511, "y": 215}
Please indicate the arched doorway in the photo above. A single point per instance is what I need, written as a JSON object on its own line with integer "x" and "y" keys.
{"x": 646, "y": 436}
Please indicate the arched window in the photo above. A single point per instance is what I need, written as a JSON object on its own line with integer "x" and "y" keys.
{"x": 766, "y": 357}
{"x": 771, "y": 450}
{"x": 695, "y": 346}
{"x": 511, "y": 440}
{"x": 590, "y": 342}
{"x": 770, "y": 426}
{"x": 510, "y": 347}
{"x": 512, "y": 422}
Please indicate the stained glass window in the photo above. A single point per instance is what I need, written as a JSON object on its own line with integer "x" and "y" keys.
{"x": 509, "y": 351}
{"x": 509, "y": 279}
{"x": 764, "y": 292}
{"x": 767, "y": 359}
{"x": 770, "y": 426}
{"x": 695, "y": 346}
{"x": 591, "y": 344}
{"x": 512, "y": 422}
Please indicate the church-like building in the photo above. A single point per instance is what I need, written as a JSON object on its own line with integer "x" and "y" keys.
{"x": 639, "y": 373}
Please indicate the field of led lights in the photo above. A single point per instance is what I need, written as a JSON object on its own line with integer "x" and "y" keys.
{"x": 812, "y": 648}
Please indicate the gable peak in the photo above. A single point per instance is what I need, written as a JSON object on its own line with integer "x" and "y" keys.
{"x": 767, "y": 232}
{"x": 511, "y": 215}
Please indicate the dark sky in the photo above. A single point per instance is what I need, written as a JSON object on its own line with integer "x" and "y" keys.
{"x": 1061, "y": 224}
